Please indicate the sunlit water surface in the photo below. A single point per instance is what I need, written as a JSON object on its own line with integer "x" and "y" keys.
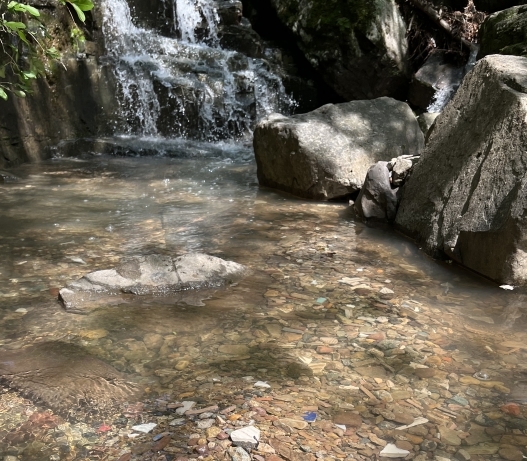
{"x": 67, "y": 217}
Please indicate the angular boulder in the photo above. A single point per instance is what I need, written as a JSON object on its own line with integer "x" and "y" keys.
{"x": 325, "y": 154}
{"x": 467, "y": 196}
{"x": 504, "y": 32}
{"x": 150, "y": 275}
{"x": 377, "y": 199}
{"x": 358, "y": 46}
{"x": 426, "y": 120}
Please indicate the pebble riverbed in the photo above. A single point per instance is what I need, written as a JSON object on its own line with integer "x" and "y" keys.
{"x": 345, "y": 342}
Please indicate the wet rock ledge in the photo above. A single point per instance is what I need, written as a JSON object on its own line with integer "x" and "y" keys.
{"x": 149, "y": 275}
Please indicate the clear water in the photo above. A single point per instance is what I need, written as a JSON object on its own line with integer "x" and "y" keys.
{"x": 67, "y": 217}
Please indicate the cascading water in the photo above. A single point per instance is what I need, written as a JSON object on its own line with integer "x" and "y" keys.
{"x": 187, "y": 87}
{"x": 444, "y": 94}
{"x": 188, "y": 17}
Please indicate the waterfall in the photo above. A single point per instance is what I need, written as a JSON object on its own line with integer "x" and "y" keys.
{"x": 444, "y": 94}
{"x": 188, "y": 15}
{"x": 188, "y": 86}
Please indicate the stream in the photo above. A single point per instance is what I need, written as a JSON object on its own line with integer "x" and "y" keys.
{"x": 70, "y": 216}
{"x": 342, "y": 342}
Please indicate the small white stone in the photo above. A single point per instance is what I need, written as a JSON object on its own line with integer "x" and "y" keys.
{"x": 261, "y": 384}
{"x": 187, "y": 405}
{"x": 247, "y": 435}
{"x": 146, "y": 428}
{"x": 205, "y": 423}
{"x": 391, "y": 451}
{"x": 417, "y": 422}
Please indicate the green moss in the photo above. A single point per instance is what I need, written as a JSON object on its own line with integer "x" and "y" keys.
{"x": 518, "y": 49}
{"x": 505, "y": 33}
{"x": 344, "y": 15}
{"x": 340, "y": 16}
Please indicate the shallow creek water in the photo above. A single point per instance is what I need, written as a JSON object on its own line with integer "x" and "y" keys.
{"x": 309, "y": 311}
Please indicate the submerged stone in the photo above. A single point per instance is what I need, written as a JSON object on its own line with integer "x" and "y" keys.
{"x": 247, "y": 436}
{"x": 150, "y": 275}
{"x": 391, "y": 451}
{"x": 65, "y": 377}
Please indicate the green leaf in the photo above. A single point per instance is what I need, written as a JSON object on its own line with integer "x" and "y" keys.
{"x": 15, "y": 25}
{"x": 29, "y": 74}
{"x": 23, "y": 8}
{"x": 2, "y": 72}
{"x": 22, "y": 37}
{"x": 3, "y": 94}
{"x": 20, "y": 93}
{"x": 84, "y": 5}
{"x": 80, "y": 14}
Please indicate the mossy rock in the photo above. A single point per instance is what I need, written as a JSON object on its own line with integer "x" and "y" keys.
{"x": 358, "y": 46}
{"x": 505, "y": 32}
{"x": 491, "y": 6}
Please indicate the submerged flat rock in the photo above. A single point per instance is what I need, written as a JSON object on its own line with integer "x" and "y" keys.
{"x": 65, "y": 378}
{"x": 149, "y": 275}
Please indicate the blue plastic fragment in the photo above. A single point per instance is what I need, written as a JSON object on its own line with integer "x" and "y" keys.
{"x": 310, "y": 416}
{"x": 321, "y": 300}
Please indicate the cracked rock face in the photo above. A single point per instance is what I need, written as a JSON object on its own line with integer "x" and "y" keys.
{"x": 149, "y": 275}
{"x": 467, "y": 196}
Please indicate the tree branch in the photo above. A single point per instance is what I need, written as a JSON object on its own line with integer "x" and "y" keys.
{"x": 436, "y": 18}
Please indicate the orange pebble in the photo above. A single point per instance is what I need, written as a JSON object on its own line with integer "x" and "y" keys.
{"x": 511, "y": 409}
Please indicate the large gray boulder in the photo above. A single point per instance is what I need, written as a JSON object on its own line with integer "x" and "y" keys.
{"x": 359, "y": 47}
{"x": 467, "y": 196}
{"x": 505, "y": 32}
{"x": 325, "y": 154}
{"x": 149, "y": 275}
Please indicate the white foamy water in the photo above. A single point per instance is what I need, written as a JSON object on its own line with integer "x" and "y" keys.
{"x": 190, "y": 15}
{"x": 188, "y": 86}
